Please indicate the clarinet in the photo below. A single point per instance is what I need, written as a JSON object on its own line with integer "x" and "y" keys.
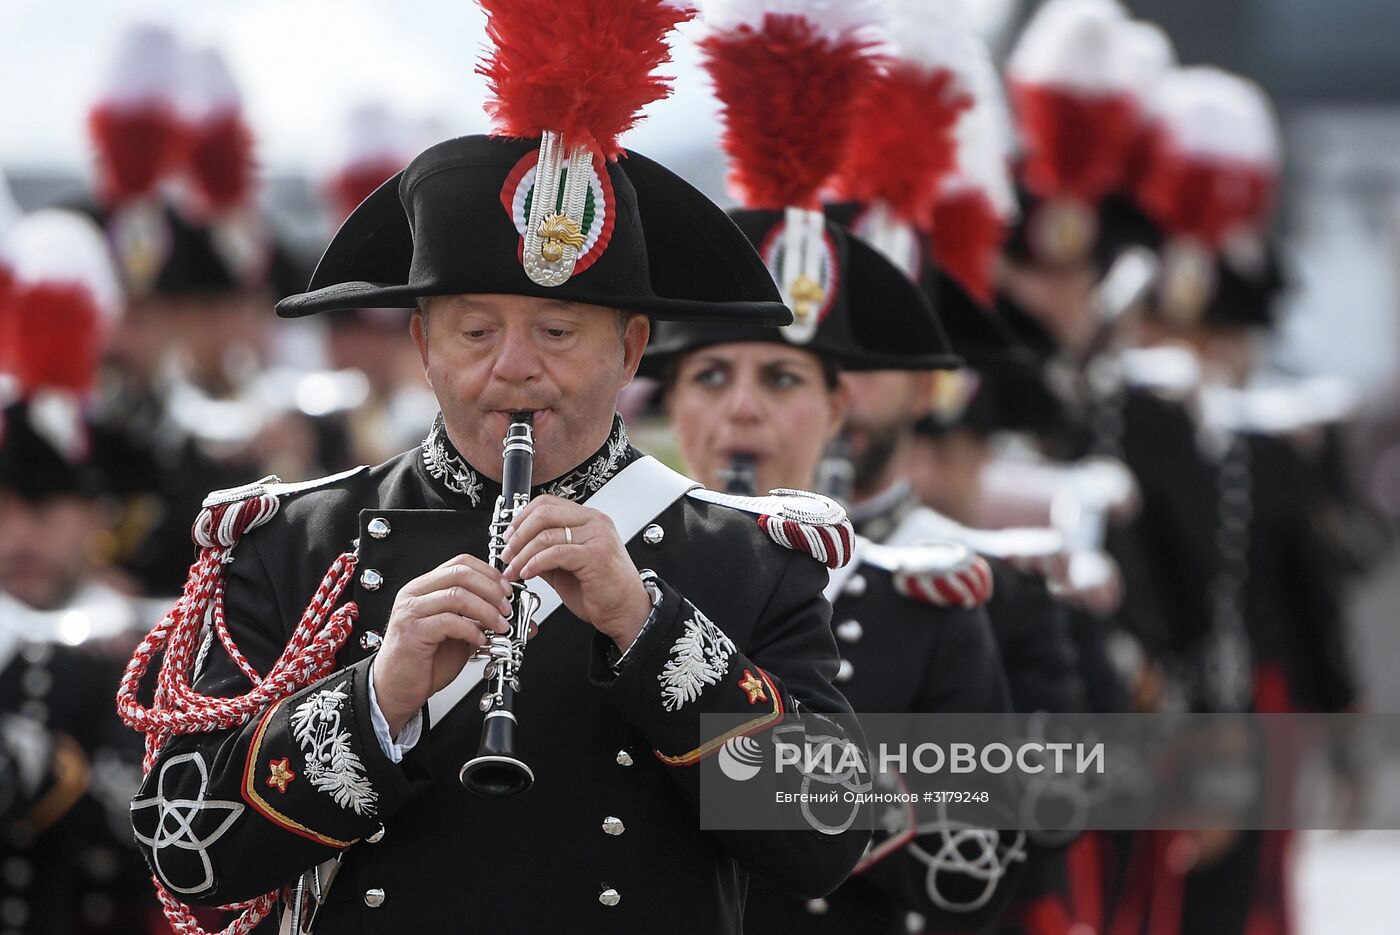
{"x": 741, "y": 477}
{"x": 496, "y": 770}
{"x": 836, "y": 475}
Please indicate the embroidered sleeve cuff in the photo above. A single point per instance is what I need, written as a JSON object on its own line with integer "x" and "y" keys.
{"x": 680, "y": 667}
{"x": 408, "y": 737}
{"x": 316, "y": 767}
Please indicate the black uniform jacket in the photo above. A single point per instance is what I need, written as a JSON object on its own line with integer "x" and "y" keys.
{"x": 68, "y": 767}
{"x": 900, "y": 655}
{"x": 608, "y": 838}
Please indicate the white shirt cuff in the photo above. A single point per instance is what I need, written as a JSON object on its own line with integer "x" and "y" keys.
{"x": 408, "y": 737}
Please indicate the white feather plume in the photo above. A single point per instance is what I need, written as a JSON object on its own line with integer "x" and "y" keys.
{"x": 935, "y": 34}
{"x": 1212, "y": 114}
{"x": 207, "y": 85}
{"x": 985, "y": 140}
{"x": 1073, "y": 44}
{"x": 1147, "y": 54}
{"x": 144, "y": 68}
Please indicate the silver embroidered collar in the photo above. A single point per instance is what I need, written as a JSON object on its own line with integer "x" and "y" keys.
{"x": 445, "y": 465}
{"x": 595, "y": 472}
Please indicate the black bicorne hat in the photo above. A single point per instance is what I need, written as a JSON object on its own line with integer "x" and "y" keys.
{"x": 35, "y": 466}
{"x": 159, "y": 252}
{"x": 1236, "y": 288}
{"x": 864, "y": 312}
{"x": 453, "y": 222}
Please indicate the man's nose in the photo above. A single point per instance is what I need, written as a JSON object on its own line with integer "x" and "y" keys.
{"x": 517, "y": 357}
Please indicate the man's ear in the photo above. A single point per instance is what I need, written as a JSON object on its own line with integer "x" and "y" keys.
{"x": 418, "y": 328}
{"x": 634, "y": 342}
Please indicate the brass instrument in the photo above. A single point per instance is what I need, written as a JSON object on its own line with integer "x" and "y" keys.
{"x": 496, "y": 770}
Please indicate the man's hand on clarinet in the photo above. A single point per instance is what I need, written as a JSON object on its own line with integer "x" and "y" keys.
{"x": 439, "y": 619}
{"x": 578, "y": 552}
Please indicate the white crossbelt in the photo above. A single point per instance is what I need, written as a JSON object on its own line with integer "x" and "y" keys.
{"x": 634, "y": 497}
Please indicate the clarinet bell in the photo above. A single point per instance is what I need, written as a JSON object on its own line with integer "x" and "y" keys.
{"x": 495, "y": 770}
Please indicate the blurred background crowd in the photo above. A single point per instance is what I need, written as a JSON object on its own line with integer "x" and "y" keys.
{"x": 169, "y": 170}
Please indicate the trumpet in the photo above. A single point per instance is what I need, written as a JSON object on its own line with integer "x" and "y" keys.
{"x": 496, "y": 770}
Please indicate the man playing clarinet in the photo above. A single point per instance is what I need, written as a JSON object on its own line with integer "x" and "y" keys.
{"x": 321, "y": 685}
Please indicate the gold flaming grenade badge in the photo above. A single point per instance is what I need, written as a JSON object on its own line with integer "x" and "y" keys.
{"x": 807, "y": 298}
{"x": 557, "y": 232}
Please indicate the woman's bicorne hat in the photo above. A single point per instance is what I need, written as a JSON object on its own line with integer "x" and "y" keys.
{"x": 865, "y": 313}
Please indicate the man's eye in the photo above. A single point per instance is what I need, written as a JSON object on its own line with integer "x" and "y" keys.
{"x": 557, "y": 332}
{"x": 475, "y": 333}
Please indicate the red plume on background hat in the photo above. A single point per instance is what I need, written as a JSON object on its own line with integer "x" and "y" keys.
{"x": 1210, "y": 185}
{"x": 135, "y": 125}
{"x": 1148, "y": 56}
{"x": 377, "y": 145}
{"x": 903, "y": 143}
{"x": 219, "y": 154}
{"x": 52, "y": 334}
{"x": 790, "y": 76}
{"x": 1072, "y": 90}
{"x": 977, "y": 202}
{"x": 575, "y": 73}
{"x": 9, "y": 217}
{"x": 64, "y": 298}
{"x": 1215, "y": 166}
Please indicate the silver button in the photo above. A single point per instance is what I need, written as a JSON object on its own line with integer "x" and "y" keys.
{"x": 35, "y": 710}
{"x": 371, "y": 580}
{"x": 850, "y": 631}
{"x": 610, "y": 897}
{"x": 370, "y": 640}
{"x": 818, "y": 907}
{"x": 854, "y": 586}
{"x": 374, "y": 898}
{"x": 378, "y": 528}
{"x": 846, "y": 672}
{"x": 613, "y": 826}
{"x": 377, "y": 836}
{"x": 624, "y": 758}
{"x": 653, "y": 535}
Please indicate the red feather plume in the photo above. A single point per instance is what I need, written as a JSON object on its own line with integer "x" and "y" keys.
{"x": 967, "y": 237}
{"x": 790, "y": 95}
{"x": 8, "y": 338}
{"x": 55, "y": 337}
{"x": 7, "y": 282}
{"x": 1205, "y": 199}
{"x": 1076, "y": 145}
{"x": 221, "y": 161}
{"x": 902, "y": 144}
{"x": 581, "y": 68}
{"x": 136, "y": 147}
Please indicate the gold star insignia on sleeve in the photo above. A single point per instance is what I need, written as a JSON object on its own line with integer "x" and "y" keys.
{"x": 281, "y": 774}
{"x": 753, "y": 687}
